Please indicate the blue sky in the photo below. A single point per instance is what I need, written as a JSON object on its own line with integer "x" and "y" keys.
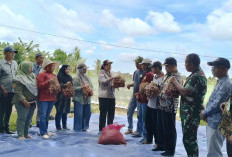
{"x": 203, "y": 27}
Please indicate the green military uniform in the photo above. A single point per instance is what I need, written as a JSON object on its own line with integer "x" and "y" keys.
{"x": 190, "y": 108}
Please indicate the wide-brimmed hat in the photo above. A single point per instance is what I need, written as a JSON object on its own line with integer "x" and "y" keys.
{"x": 146, "y": 61}
{"x": 46, "y": 62}
{"x": 82, "y": 66}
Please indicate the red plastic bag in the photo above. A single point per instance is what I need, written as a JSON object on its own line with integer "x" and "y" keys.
{"x": 111, "y": 135}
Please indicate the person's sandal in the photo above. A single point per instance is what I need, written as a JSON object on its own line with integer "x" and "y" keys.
{"x": 28, "y": 136}
{"x": 21, "y": 138}
{"x": 134, "y": 133}
{"x": 128, "y": 132}
{"x": 46, "y": 137}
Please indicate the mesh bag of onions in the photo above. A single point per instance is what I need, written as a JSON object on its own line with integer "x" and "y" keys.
{"x": 69, "y": 91}
{"x": 142, "y": 88}
{"x": 54, "y": 88}
{"x": 152, "y": 90}
{"x": 170, "y": 90}
{"x": 87, "y": 92}
{"x": 111, "y": 135}
{"x": 119, "y": 82}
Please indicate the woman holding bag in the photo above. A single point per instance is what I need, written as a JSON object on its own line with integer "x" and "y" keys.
{"x": 25, "y": 86}
{"x": 63, "y": 101}
{"x": 48, "y": 86}
{"x": 82, "y": 99}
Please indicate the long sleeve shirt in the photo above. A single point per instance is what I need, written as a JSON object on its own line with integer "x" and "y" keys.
{"x": 79, "y": 92}
{"x": 106, "y": 90}
{"x": 221, "y": 93}
{"x": 22, "y": 93}
{"x": 43, "y": 83}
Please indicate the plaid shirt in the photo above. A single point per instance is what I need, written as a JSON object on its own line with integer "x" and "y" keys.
{"x": 221, "y": 93}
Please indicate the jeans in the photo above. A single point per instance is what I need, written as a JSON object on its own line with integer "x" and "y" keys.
{"x": 24, "y": 119}
{"x": 82, "y": 114}
{"x": 5, "y": 111}
{"x": 141, "y": 115}
{"x": 59, "y": 116}
{"x": 130, "y": 112}
{"x": 214, "y": 142}
{"x": 229, "y": 148}
{"x": 45, "y": 110}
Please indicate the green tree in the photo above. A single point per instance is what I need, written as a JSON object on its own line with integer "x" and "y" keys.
{"x": 97, "y": 66}
{"x": 59, "y": 56}
{"x": 73, "y": 58}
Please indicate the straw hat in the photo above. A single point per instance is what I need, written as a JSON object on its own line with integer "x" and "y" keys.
{"x": 46, "y": 62}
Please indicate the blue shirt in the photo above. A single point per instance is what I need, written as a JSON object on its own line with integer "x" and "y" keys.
{"x": 137, "y": 78}
{"x": 221, "y": 93}
{"x": 36, "y": 69}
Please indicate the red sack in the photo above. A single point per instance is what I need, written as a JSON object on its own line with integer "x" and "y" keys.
{"x": 111, "y": 135}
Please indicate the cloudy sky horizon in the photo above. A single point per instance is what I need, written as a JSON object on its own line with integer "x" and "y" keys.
{"x": 194, "y": 26}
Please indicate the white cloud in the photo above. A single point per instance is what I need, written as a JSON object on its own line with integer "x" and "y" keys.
{"x": 108, "y": 19}
{"x": 15, "y": 20}
{"x": 90, "y": 51}
{"x": 129, "y": 26}
{"x": 219, "y": 22}
{"x": 134, "y": 27}
{"x": 127, "y": 41}
{"x": 104, "y": 45}
{"x": 68, "y": 19}
{"x": 164, "y": 22}
{"x": 127, "y": 57}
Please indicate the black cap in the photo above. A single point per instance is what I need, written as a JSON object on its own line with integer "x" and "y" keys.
{"x": 105, "y": 62}
{"x": 9, "y": 49}
{"x": 170, "y": 61}
{"x": 220, "y": 62}
{"x": 38, "y": 55}
{"x": 156, "y": 64}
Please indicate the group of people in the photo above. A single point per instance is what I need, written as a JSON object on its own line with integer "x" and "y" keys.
{"x": 29, "y": 86}
{"x": 157, "y": 114}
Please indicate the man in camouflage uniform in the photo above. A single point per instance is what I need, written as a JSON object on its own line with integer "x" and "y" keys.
{"x": 192, "y": 97}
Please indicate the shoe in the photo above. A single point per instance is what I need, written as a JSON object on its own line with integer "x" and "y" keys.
{"x": 21, "y": 138}
{"x": 46, "y": 136}
{"x": 128, "y": 132}
{"x": 134, "y": 133}
{"x": 28, "y": 136}
{"x": 145, "y": 142}
{"x": 66, "y": 129}
{"x": 51, "y": 118}
{"x": 167, "y": 154}
{"x": 158, "y": 149}
{"x": 60, "y": 130}
{"x": 49, "y": 134}
{"x": 137, "y": 136}
{"x": 9, "y": 132}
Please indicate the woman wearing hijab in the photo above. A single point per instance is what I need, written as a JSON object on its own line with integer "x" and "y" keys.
{"x": 63, "y": 103}
{"x": 106, "y": 95}
{"x": 25, "y": 86}
{"x": 82, "y": 105}
{"x": 48, "y": 86}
